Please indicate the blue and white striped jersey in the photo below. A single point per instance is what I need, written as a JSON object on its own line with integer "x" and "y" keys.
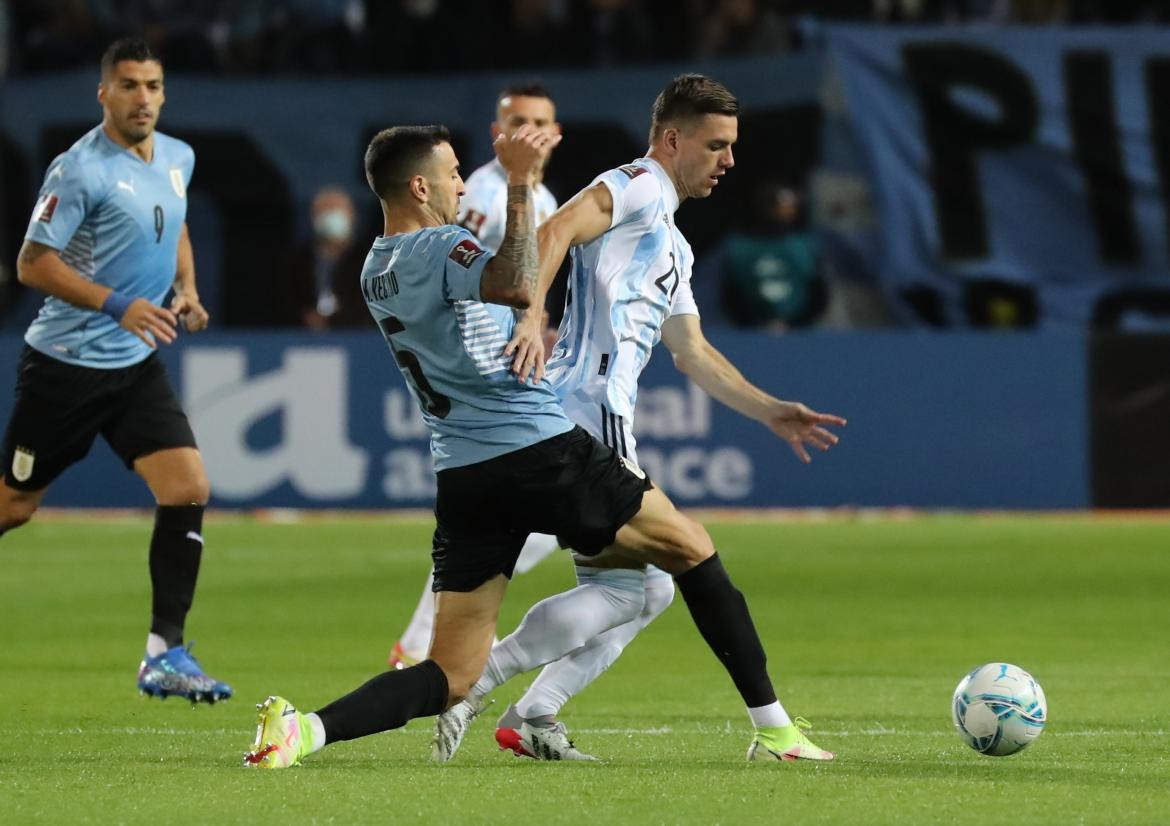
{"x": 116, "y": 220}
{"x": 622, "y": 286}
{"x": 423, "y": 290}
{"x": 483, "y": 209}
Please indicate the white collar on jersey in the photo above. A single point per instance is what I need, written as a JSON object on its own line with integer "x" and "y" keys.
{"x": 669, "y": 193}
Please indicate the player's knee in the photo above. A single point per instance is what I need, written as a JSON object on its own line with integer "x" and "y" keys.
{"x": 15, "y": 512}
{"x": 194, "y": 490}
{"x": 659, "y": 595}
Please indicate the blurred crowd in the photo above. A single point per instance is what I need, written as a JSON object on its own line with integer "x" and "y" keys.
{"x": 340, "y": 36}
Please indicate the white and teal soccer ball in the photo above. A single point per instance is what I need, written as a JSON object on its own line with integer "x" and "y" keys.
{"x": 999, "y": 709}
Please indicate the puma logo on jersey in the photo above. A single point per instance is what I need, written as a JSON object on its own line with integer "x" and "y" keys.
{"x": 129, "y": 187}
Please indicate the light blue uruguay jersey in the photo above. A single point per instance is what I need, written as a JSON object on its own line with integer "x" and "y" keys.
{"x": 116, "y": 220}
{"x": 622, "y": 286}
{"x": 423, "y": 290}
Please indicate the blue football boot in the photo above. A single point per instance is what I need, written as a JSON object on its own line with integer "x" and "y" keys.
{"x": 176, "y": 673}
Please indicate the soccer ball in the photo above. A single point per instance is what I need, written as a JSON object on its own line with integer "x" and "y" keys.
{"x": 998, "y": 709}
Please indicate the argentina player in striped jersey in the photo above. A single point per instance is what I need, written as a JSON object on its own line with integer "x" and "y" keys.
{"x": 107, "y": 242}
{"x": 630, "y": 286}
{"x": 508, "y": 461}
{"x": 483, "y": 210}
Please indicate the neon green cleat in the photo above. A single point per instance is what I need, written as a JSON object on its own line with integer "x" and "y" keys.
{"x": 786, "y": 743}
{"x": 283, "y": 736}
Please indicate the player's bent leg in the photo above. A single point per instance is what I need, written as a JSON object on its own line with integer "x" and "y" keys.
{"x": 179, "y": 483}
{"x": 17, "y": 506}
{"x": 415, "y": 642}
{"x": 464, "y": 626}
{"x": 568, "y": 676}
{"x": 565, "y": 622}
{"x": 662, "y": 535}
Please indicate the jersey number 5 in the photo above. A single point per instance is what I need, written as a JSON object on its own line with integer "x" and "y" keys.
{"x": 432, "y": 401}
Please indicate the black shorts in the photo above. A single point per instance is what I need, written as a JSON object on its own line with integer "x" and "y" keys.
{"x": 571, "y": 485}
{"x": 59, "y": 408}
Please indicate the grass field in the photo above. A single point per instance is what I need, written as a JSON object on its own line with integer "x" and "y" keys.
{"x": 869, "y": 625}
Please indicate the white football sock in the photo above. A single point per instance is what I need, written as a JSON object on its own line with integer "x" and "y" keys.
{"x": 769, "y": 715}
{"x": 562, "y": 623}
{"x": 569, "y": 675}
{"x": 416, "y": 639}
{"x": 318, "y": 731}
{"x": 155, "y": 645}
{"x": 536, "y": 548}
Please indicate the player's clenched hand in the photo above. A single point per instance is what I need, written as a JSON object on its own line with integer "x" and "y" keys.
{"x": 149, "y": 322}
{"x": 527, "y": 348}
{"x": 188, "y": 308}
{"x": 523, "y": 155}
{"x": 800, "y": 426}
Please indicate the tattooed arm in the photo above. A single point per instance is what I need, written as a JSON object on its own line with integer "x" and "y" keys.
{"x": 40, "y": 267}
{"x": 510, "y": 277}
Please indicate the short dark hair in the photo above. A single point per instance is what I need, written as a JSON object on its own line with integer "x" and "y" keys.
{"x": 688, "y": 97}
{"x": 395, "y": 155}
{"x": 128, "y": 48}
{"x": 532, "y": 89}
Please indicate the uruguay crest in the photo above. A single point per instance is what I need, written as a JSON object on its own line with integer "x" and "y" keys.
{"x": 22, "y": 463}
{"x": 177, "y": 182}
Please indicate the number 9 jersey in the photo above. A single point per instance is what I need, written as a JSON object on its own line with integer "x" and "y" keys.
{"x": 116, "y": 220}
{"x": 423, "y": 290}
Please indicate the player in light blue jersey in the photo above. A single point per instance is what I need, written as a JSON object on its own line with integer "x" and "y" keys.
{"x": 107, "y": 242}
{"x": 483, "y": 210}
{"x": 500, "y": 476}
{"x": 629, "y": 287}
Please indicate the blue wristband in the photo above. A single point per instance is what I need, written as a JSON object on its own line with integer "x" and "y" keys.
{"x": 116, "y": 305}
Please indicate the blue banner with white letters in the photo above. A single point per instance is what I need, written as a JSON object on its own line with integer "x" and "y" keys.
{"x": 1022, "y": 175}
{"x": 948, "y": 420}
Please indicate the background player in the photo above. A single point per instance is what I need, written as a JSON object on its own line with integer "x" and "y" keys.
{"x": 483, "y": 210}
{"x": 507, "y": 460}
{"x": 630, "y": 280}
{"x": 107, "y": 242}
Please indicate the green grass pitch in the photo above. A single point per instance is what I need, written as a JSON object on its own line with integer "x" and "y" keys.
{"x": 869, "y": 624}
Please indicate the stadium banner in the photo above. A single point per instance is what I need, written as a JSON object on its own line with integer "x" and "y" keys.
{"x": 1022, "y": 175}
{"x": 962, "y": 420}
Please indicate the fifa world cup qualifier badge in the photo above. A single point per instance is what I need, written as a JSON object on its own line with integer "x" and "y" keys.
{"x": 22, "y": 463}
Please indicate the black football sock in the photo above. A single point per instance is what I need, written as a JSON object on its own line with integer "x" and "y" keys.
{"x": 386, "y": 702}
{"x": 721, "y": 614}
{"x": 175, "y": 550}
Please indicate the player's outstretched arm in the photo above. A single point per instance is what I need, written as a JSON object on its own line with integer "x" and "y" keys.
{"x": 696, "y": 358}
{"x": 586, "y": 216}
{"x": 40, "y": 267}
{"x": 186, "y": 305}
{"x": 510, "y": 277}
